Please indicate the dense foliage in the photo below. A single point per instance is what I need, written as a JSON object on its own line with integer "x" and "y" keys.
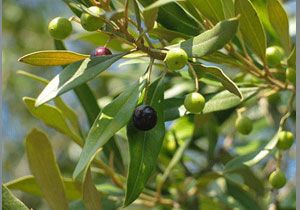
{"x": 204, "y": 117}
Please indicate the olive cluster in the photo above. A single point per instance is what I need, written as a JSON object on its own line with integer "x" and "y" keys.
{"x": 275, "y": 55}
{"x": 60, "y": 28}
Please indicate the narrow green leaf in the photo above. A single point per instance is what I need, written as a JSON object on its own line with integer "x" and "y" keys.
{"x": 164, "y": 33}
{"x": 28, "y": 184}
{"x": 53, "y": 117}
{"x": 83, "y": 93}
{"x": 137, "y": 15}
{"x": 174, "y": 18}
{"x": 52, "y": 58}
{"x": 280, "y": 22}
{"x": 10, "y": 202}
{"x": 112, "y": 118}
{"x": 251, "y": 28}
{"x": 144, "y": 146}
{"x": 66, "y": 110}
{"x": 292, "y": 58}
{"x": 214, "y": 102}
{"x": 228, "y": 8}
{"x": 211, "y": 9}
{"x": 217, "y": 73}
{"x": 68, "y": 113}
{"x": 33, "y": 77}
{"x": 226, "y": 100}
{"x": 76, "y": 74}
{"x": 43, "y": 166}
{"x": 150, "y": 16}
{"x": 159, "y": 3}
{"x": 88, "y": 102}
{"x": 211, "y": 40}
{"x": 252, "y": 158}
{"x": 242, "y": 196}
{"x": 91, "y": 197}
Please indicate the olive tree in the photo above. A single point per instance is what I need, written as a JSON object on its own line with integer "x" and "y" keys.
{"x": 205, "y": 119}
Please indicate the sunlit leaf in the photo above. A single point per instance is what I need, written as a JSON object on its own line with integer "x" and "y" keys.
{"x": 53, "y": 117}
{"x": 91, "y": 197}
{"x": 211, "y": 9}
{"x": 211, "y": 40}
{"x": 76, "y": 74}
{"x": 28, "y": 184}
{"x": 111, "y": 119}
{"x": 52, "y": 58}
{"x": 10, "y": 202}
{"x": 220, "y": 76}
{"x": 43, "y": 166}
{"x": 251, "y": 28}
{"x": 280, "y": 23}
{"x": 159, "y": 3}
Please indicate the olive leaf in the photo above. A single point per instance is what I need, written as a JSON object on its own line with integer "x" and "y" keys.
{"x": 220, "y": 76}
{"x": 280, "y": 22}
{"x": 228, "y": 8}
{"x": 159, "y": 3}
{"x": 28, "y": 184}
{"x": 210, "y": 40}
{"x": 52, "y": 58}
{"x": 244, "y": 197}
{"x": 214, "y": 102}
{"x": 111, "y": 119}
{"x": 173, "y": 17}
{"x": 211, "y": 9}
{"x": 144, "y": 146}
{"x": 10, "y": 202}
{"x": 292, "y": 58}
{"x": 76, "y": 74}
{"x": 53, "y": 117}
{"x": 66, "y": 110}
{"x": 252, "y": 158}
{"x": 251, "y": 28}
{"x": 43, "y": 166}
{"x": 90, "y": 196}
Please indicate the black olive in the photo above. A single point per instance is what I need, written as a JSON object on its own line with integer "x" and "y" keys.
{"x": 144, "y": 117}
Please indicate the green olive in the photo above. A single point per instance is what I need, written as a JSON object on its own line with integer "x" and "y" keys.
{"x": 277, "y": 179}
{"x": 291, "y": 75}
{"x": 60, "y": 28}
{"x": 244, "y": 125}
{"x": 285, "y": 140}
{"x": 194, "y": 102}
{"x": 274, "y": 55}
{"x": 176, "y": 59}
{"x": 90, "y": 22}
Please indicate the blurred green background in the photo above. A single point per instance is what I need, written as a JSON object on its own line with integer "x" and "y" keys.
{"x": 25, "y": 31}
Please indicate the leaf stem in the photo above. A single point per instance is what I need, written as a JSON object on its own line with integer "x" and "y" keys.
{"x": 148, "y": 74}
{"x": 192, "y": 70}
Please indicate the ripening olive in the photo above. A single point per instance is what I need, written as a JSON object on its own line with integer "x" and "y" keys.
{"x": 90, "y": 22}
{"x": 194, "y": 102}
{"x": 285, "y": 140}
{"x": 60, "y": 28}
{"x": 277, "y": 179}
{"x": 176, "y": 59}
{"x": 244, "y": 125}
{"x": 100, "y": 51}
{"x": 274, "y": 55}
